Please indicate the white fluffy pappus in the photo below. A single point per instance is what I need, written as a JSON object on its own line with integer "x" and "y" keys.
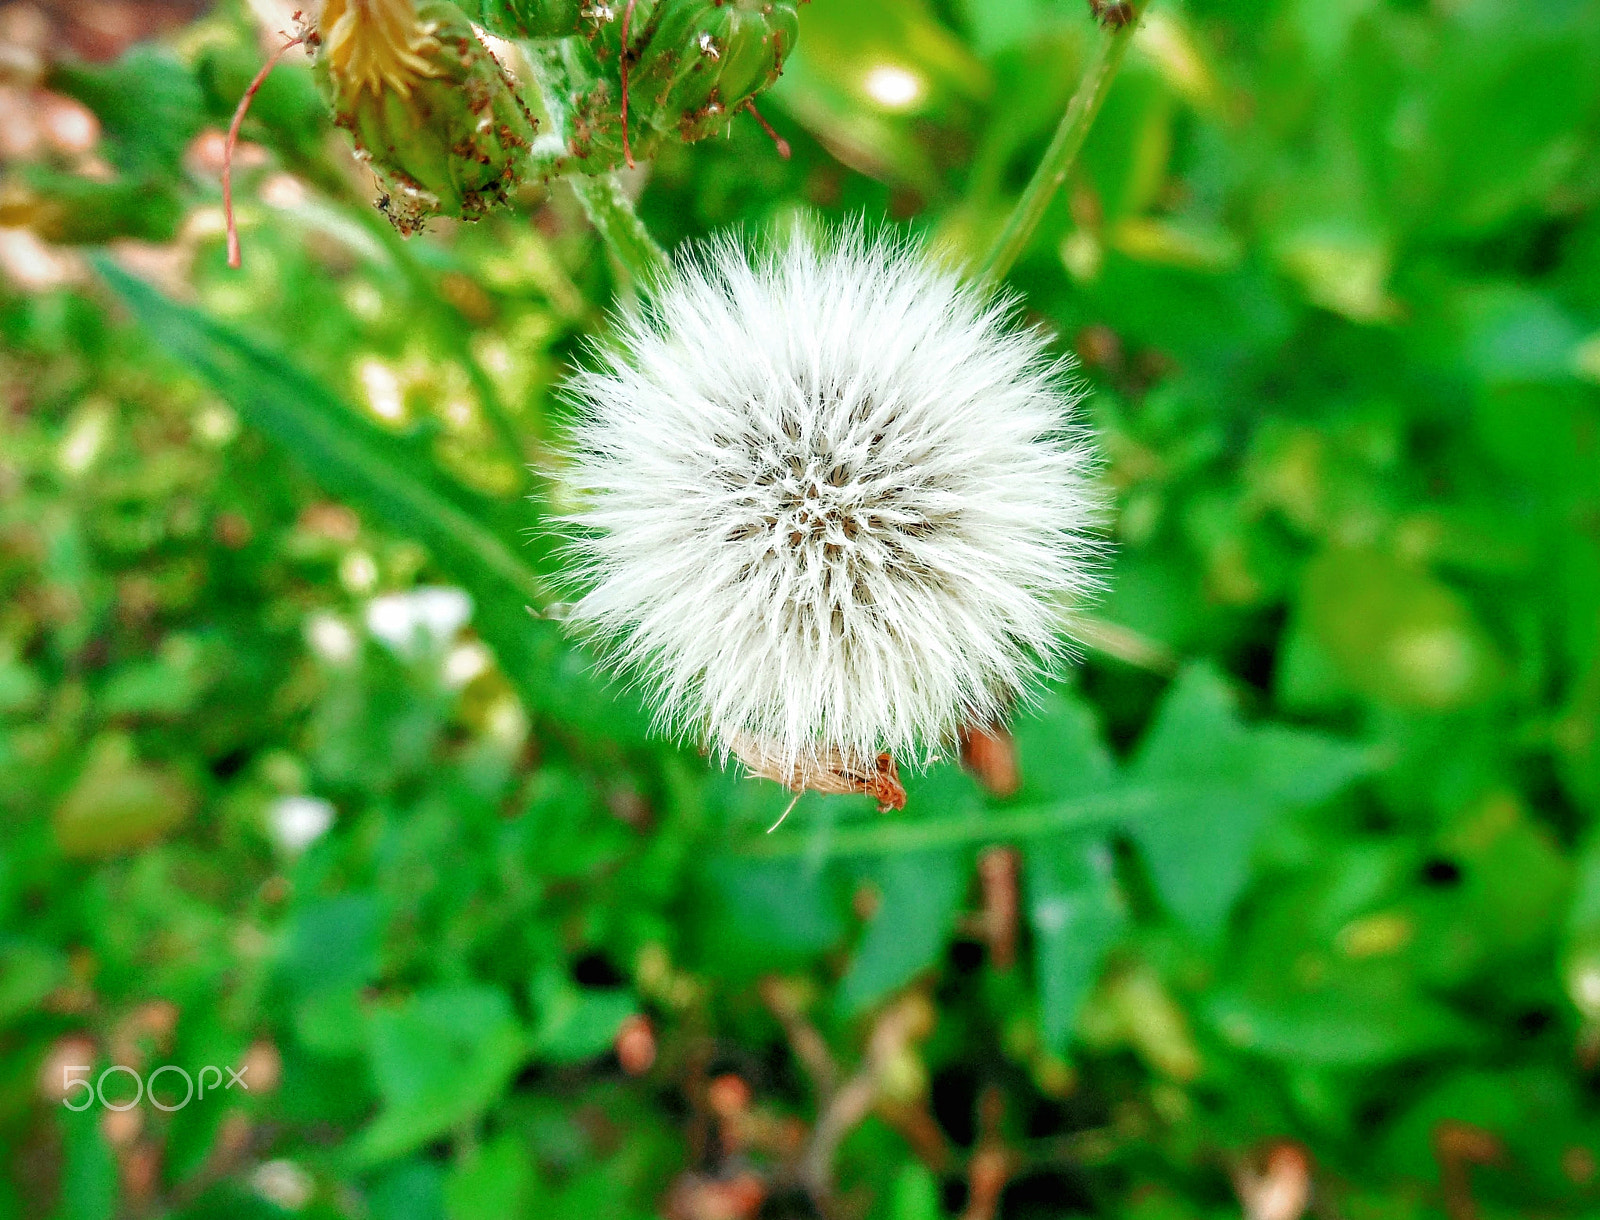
{"x": 832, "y": 505}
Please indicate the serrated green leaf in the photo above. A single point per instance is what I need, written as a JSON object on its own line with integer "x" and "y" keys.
{"x": 491, "y": 1182}
{"x": 89, "y": 1175}
{"x": 919, "y": 895}
{"x": 1075, "y": 909}
{"x": 1397, "y": 634}
{"x": 413, "y": 1190}
{"x": 118, "y": 803}
{"x": 576, "y": 1023}
{"x": 1357, "y": 1023}
{"x": 908, "y": 834}
{"x": 915, "y": 1195}
{"x": 438, "y": 1060}
{"x": 348, "y": 455}
{"x": 1060, "y": 751}
{"x": 1216, "y": 784}
{"x": 762, "y": 915}
{"x": 332, "y": 944}
{"x": 28, "y": 972}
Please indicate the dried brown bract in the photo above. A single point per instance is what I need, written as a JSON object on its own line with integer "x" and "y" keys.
{"x": 832, "y": 775}
{"x": 1113, "y": 14}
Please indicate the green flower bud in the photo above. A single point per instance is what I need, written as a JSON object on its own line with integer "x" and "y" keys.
{"x": 427, "y": 104}
{"x": 690, "y": 66}
{"x": 528, "y": 18}
{"x": 699, "y": 63}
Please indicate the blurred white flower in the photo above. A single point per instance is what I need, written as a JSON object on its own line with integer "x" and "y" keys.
{"x": 296, "y": 822}
{"x": 330, "y": 637}
{"x": 90, "y": 428}
{"x": 464, "y": 663}
{"x": 419, "y": 619}
{"x": 358, "y": 572}
{"x": 506, "y": 722}
{"x": 892, "y": 86}
{"x": 382, "y": 385}
{"x": 284, "y": 1183}
{"x": 832, "y": 504}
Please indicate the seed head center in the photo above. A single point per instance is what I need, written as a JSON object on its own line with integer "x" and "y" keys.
{"x": 834, "y": 510}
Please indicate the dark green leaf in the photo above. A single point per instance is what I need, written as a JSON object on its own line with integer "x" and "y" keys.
{"x": 439, "y": 1059}
{"x": 1217, "y": 783}
{"x": 919, "y": 894}
{"x": 148, "y": 104}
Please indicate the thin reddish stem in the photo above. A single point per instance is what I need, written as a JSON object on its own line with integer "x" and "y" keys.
{"x": 627, "y": 16}
{"x": 783, "y": 145}
{"x": 233, "y": 140}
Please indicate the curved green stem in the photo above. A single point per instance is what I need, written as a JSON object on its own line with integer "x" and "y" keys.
{"x": 611, "y": 212}
{"x": 875, "y": 837}
{"x": 608, "y": 208}
{"x": 1110, "y": 47}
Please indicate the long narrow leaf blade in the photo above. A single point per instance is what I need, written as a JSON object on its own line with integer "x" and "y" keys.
{"x": 347, "y": 455}
{"x": 396, "y": 485}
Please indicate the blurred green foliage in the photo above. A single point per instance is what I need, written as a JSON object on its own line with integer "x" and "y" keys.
{"x": 1302, "y": 868}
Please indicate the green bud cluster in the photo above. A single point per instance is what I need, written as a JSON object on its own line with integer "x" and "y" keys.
{"x": 690, "y": 65}
{"x": 697, "y": 64}
{"x": 439, "y": 120}
{"x": 530, "y": 18}
{"x": 427, "y": 103}
{"x": 445, "y": 130}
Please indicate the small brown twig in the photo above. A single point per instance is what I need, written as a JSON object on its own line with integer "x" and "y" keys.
{"x": 234, "y": 260}
{"x": 1091, "y": 1146}
{"x": 998, "y": 869}
{"x": 784, "y": 150}
{"x": 992, "y": 1163}
{"x": 921, "y": 1130}
{"x": 849, "y": 1107}
{"x": 989, "y": 755}
{"x": 1125, "y": 644}
{"x": 238, "y": 1144}
{"x": 841, "y": 1107}
{"x": 898, "y": 1027}
{"x": 1458, "y": 1146}
{"x": 627, "y": 16}
{"x": 809, "y": 1046}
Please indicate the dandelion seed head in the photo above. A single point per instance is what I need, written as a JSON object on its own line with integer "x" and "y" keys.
{"x": 832, "y": 502}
